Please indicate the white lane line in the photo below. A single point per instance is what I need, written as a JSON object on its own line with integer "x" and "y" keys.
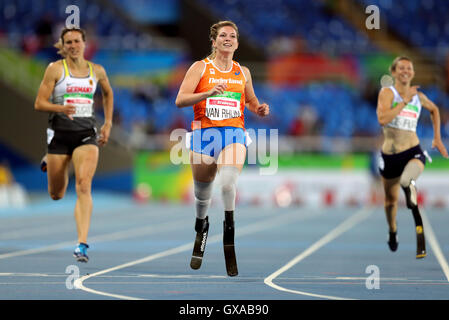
{"x": 79, "y": 282}
{"x": 207, "y": 279}
{"x": 140, "y": 214}
{"x": 119, "y": 235}
{"x": 63, "y": 227}
{"x": 430, "y": 235}
{"x": 52, "y": 247}
{"x": 252, "y": 228}
{"x": 139, "y": 231}
{"x": 36, "y": 231}
{"x": 339, "y": 230}
{"x": 21, "y": 274}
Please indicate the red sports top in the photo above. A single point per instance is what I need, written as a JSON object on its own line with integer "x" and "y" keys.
{"x": 224, "y": 109}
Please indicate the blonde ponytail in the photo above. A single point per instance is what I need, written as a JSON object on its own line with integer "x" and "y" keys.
{"x": 58, "y": 45}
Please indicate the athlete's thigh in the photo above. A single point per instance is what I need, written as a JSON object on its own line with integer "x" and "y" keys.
{"x": 57, "y": 172}
{"x": 85, "y": 160}
{"x": 391, "y": 188}
{"x": 204, "y": 167}
{"x": 232, "y": 155}
{"x": 416, "y": 162}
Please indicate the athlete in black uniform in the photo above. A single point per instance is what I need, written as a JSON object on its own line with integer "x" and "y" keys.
{"x": 402, "y": 159}
{"x": 66, "y": 92}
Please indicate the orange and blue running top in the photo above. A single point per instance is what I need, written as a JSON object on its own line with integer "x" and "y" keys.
{"x": 221, "y": 110}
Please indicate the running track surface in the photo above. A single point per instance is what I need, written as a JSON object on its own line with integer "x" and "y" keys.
{"x": 143, "y": 252}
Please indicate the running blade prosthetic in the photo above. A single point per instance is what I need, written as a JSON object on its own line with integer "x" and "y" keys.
{"x": 420, "y": 239}
{"x": 202, "y": 229}
{"x": 228, "y": 247}
{"x": 420, "y": 243}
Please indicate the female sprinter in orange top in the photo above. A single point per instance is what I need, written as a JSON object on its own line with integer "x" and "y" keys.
{"x": 219, "y": 89}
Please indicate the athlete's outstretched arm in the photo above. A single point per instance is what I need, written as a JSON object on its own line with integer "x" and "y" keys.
{"x": 108, "y": 104}
{"x": 251, "y": 100}
{"x": 435, "y": 116}
{"x": 186, "y": 95}
{"x": 42, "y": 103}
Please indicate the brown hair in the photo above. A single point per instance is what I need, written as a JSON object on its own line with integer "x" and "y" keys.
{"x": 60, "y": 44}
{"x": 65, "y": 30}
{"x": 395, "y": 62}
{"x": 214, "y": 33}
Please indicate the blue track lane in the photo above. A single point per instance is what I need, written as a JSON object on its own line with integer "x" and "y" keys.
{"x": 36, "y": 245}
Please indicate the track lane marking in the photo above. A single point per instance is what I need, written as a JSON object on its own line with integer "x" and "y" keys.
{"x": 245, "y": 230}
{"x": 428, "y": 230}
{"x": 332, "y": 235}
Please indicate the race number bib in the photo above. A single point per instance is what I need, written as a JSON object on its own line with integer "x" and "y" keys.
{"x": 223, "y": 106}
{"x": 407, "y": 119}
{"x": 82, "y": 102}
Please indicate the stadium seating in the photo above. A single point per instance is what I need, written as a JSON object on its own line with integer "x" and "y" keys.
{"x": 423, "y": 23}
{"x": 266, "y": 20}
{"x": 341, "y": 108}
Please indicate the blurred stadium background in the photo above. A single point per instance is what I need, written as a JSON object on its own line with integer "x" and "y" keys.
{"x": 314, "y": 62}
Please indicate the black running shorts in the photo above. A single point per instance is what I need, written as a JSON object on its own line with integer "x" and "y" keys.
{"x": 64, "y": 142}
{"x": 392, "y": 165}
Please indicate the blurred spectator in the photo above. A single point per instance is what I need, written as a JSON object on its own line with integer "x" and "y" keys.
{"x": 150, "y": 126}
{"x": 283, "y": 45}
{"x": 305, "y": 122}
{"x": 31, "y": 44}
{"x": 92, "y": 45}
{"x": 297, "y": 126}
{"x": 178, "y": 123}
{"x": 12, "y": 194}
{"x": 447, "y": 73}
{"x": 147, "y": 92}
{"x": 376, "y": 189}
{"x": 46, "y": 39}
{"x": 117, "y": 120}
{"x": 6, "y": 177}
{"x": 44, "y": 31}
{"x": 370, "y": 93}
{"x": 138, "y": 134}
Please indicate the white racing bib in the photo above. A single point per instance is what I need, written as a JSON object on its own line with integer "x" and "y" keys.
{"x": 407, "y": 119}
{"x": 83, "y": 103}
{"x": 223, "y": 106}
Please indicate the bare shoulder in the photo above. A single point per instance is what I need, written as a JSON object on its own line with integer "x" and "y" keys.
{"x": 246, "y": 72}
{"x": 426, "y": 102}
{"x": 197, "y": 66}
{"x": 422, "y": 96}
{"x": 196, "y": 70}
{"x": 99, "y": 70}
{"x": 245, "y": 69}
{"x": 54, "y": 69}
{"x": 55, "y": 65}
{"x": 386, "y": 91}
